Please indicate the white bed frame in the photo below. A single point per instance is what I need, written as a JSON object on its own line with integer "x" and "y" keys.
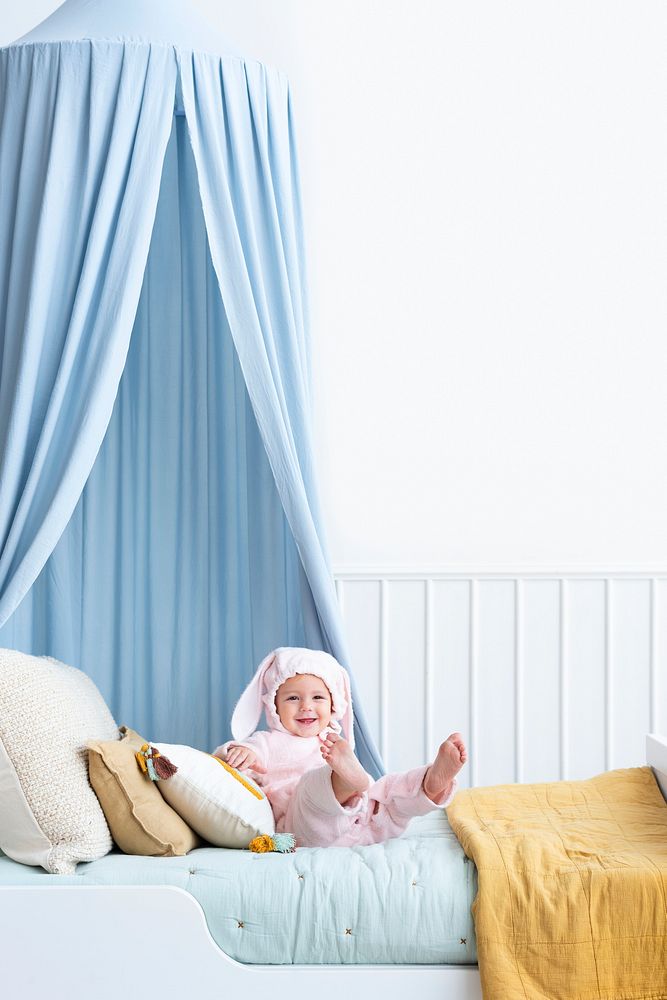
{"x": 97, "y": 942}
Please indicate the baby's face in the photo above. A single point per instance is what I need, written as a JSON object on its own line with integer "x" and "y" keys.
{"x": 303, "y": 704}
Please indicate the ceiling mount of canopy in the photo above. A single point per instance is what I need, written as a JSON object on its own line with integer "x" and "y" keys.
{"x": 158, "y": 22}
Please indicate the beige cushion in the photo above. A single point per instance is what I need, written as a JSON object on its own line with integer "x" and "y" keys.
{"x": 141, "y": 821}
{"x": 223, "y": 806}
{"x": 49, "y": 814}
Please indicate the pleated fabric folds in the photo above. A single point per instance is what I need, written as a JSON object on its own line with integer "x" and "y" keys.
{"x": 83, "y": 130}
{"x": 177, "y": 570}
{"x": 159, "y": 520}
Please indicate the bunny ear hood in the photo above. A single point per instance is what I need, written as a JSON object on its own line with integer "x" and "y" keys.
{"x": 273, "y": 671}
{"x": 248, "y": 709}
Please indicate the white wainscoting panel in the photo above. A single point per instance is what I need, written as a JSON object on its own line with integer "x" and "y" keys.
{"x": 547, "y": 675}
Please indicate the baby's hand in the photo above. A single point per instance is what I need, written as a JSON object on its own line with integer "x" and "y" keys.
{"x": 244, "y": 758}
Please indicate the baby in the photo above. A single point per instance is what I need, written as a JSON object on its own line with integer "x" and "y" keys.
{"x": 306, "y": 764}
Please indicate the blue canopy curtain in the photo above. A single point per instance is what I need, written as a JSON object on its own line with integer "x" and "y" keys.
{"x": 159, "y": 524}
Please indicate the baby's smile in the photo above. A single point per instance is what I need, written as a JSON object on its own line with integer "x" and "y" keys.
{"x": 303, "y": 704}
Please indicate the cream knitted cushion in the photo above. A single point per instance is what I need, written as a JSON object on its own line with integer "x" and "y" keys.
{"x": 49, "y": 814}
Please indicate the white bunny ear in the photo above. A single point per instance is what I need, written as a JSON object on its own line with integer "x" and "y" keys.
{"x": 249, "y": 707}
{"x": 347, "y": 722}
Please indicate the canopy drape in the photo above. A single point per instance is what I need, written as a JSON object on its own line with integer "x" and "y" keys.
{"x": 177, "y": 568}
{"x": 83, "y": 131}
{"x": 204, "y": 490}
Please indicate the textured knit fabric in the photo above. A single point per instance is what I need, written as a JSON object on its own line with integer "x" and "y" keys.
{"x": 48, "y": 712}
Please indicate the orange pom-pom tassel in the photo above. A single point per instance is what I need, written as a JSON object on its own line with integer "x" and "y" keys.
{"x": 283, "y": 843}
{"x": 261, "y": 845}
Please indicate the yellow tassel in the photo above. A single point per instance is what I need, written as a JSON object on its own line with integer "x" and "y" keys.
{"x": 141, "y": 759}
{"x": 282, "y": 843}
{"x": 261, "y": 845}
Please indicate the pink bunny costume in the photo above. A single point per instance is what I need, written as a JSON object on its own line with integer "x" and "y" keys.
{"x": 297, "y": 783}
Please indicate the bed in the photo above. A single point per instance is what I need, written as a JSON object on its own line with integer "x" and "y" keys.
{"x": 100, "y": 932}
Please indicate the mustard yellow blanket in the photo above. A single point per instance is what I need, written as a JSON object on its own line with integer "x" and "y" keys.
{"x": 572, "y": 900}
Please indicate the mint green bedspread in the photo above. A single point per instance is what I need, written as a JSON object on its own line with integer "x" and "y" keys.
{"x": 403, "y": 902}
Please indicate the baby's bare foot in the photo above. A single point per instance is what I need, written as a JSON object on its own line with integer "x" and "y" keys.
{"x": 449, "y": 760}
{"x": 349, "y": 779}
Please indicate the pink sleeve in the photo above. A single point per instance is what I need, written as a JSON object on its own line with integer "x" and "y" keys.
{"x": 256, "y": 742}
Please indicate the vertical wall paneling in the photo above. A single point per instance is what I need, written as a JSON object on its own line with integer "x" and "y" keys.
{"x": 450, "y": 664}
{"x": 563, "y": 641}
{"x": 608, "y": 691}
{"x": 653, "y": 660}
{"x": 472, "y": 667}
{"x": 629, "y": 718}
{"x": 660, "y": 657}
{"x": 548, "y": 675}
{"x": 360, "y": 603}
{"x": 495, "y": 708}
{"x": 518, "y": 680}
{"x": 540, "y": 704}
{"x": 407, "y": 682}
{"x": 428, "y": 668}
{"x": 384, "y": 670}
{"x": 586, "y": 697}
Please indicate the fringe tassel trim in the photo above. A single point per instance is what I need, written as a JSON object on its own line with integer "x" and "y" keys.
{"x": 154, "y": 764}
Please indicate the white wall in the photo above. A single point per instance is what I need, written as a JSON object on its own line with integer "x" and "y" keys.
{"x": 486, "y": 196}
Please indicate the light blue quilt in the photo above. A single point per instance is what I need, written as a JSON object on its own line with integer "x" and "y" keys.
{"x": 403, "y": 902}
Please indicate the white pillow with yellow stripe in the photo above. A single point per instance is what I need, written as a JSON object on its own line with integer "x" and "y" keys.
{"x": 224, "y": 807}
